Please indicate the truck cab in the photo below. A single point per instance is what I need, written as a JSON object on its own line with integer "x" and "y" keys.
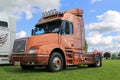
{"x": 57, "y": 41}
{"x": 7, "y": 37}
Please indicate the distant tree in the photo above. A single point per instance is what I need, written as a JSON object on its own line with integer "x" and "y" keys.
{"x": 114, "y": 55}
{"x": 86, "y": 46}
{"x": 107, "y": 55}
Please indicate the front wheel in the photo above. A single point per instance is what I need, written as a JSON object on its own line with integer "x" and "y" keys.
{"x": 55, "y": 62}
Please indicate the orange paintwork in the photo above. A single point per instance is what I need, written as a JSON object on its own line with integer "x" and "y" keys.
{"x": 46, "y": 42}
{"x": 72, "y": 46}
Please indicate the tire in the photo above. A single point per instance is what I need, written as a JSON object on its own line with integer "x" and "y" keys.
{"x": 55, "y": 62}
{"x": 97, "y": 61}
{"x": 27, "y": 67}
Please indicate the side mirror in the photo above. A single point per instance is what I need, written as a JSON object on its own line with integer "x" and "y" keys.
{"x": 65, "y": 29}
{"x": 32, "y": 32}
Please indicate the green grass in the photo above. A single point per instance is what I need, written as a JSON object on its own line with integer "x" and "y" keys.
{"x": 109, "y": 71}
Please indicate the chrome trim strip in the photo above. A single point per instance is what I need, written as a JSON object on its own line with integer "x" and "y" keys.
{"x": 43, "y": 55}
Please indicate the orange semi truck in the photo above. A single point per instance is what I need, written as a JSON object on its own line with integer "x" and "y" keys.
{"x": 57, "y": 42}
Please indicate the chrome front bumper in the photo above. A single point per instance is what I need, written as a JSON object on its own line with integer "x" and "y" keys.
{"x": 30, "y": 59}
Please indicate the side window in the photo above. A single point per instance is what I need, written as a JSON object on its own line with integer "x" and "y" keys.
{"x": 67, "y": 28}
{"x": 3, "y": 24}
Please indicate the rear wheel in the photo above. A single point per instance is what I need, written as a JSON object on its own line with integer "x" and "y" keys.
{"x": 97, "y": 61}
{"x": 55, "y": 62}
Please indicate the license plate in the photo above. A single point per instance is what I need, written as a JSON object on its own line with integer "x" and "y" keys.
{"x": 17, "y": 63}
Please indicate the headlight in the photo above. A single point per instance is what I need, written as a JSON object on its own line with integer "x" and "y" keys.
{"x": 32, "y": 51}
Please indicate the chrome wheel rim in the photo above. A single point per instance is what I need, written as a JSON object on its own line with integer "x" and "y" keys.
{"x": 98, "y": 61}
{"x": 56, "y": 63}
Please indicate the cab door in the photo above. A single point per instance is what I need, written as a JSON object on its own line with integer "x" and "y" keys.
{"x": 71, "y": 42}
{"x": 69, "y": 39}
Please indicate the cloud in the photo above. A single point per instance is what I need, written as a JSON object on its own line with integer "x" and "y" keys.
{"x": 94, "y": 1}
{"x": 100, "y": 42}
{"x": 97, "y": 39}
{"x": 105, "y": 33}
{"x": 104, "y": 43}
{"x": 107, "y": 22}
{"x": 17, "y": 7}
{"x": 21, "y": 34}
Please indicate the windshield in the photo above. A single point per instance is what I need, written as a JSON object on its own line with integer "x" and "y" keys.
{"x": 51, "y": 27}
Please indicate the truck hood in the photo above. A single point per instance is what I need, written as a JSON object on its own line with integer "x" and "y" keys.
{"x": 43, "y": 39}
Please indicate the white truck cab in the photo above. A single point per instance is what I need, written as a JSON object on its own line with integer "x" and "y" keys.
{"x": 7, "y": 37}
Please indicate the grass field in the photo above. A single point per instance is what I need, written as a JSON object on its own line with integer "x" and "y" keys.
{"x": 109, "y": 71}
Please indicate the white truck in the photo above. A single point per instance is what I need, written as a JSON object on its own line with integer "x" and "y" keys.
{"x": 7, "y": 37}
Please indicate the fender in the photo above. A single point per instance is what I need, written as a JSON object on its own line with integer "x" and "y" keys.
{"x": 47, "y": 49}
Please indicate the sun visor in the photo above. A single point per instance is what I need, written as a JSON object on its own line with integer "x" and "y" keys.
{"x": 77, "y": 12}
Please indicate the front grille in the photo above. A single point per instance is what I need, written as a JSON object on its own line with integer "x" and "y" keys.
{"x": 19, "y": 46}
{"x": 23, "y": 57}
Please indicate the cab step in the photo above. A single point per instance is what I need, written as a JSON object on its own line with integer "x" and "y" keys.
{"x": 69, "y": 64}
{"x": 69, "y": 58}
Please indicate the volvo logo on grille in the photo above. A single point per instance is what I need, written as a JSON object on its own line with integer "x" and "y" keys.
{"x": 3, "y": 39}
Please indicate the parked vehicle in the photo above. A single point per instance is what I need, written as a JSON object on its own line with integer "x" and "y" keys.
{"x": 57, "y": 41}
{"x": 7, "y": 37}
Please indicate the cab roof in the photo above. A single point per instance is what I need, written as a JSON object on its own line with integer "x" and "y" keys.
{"x": 56, "y": 15}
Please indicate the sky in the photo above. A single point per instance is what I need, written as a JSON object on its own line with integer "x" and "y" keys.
{"x": 101, "y": 19}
